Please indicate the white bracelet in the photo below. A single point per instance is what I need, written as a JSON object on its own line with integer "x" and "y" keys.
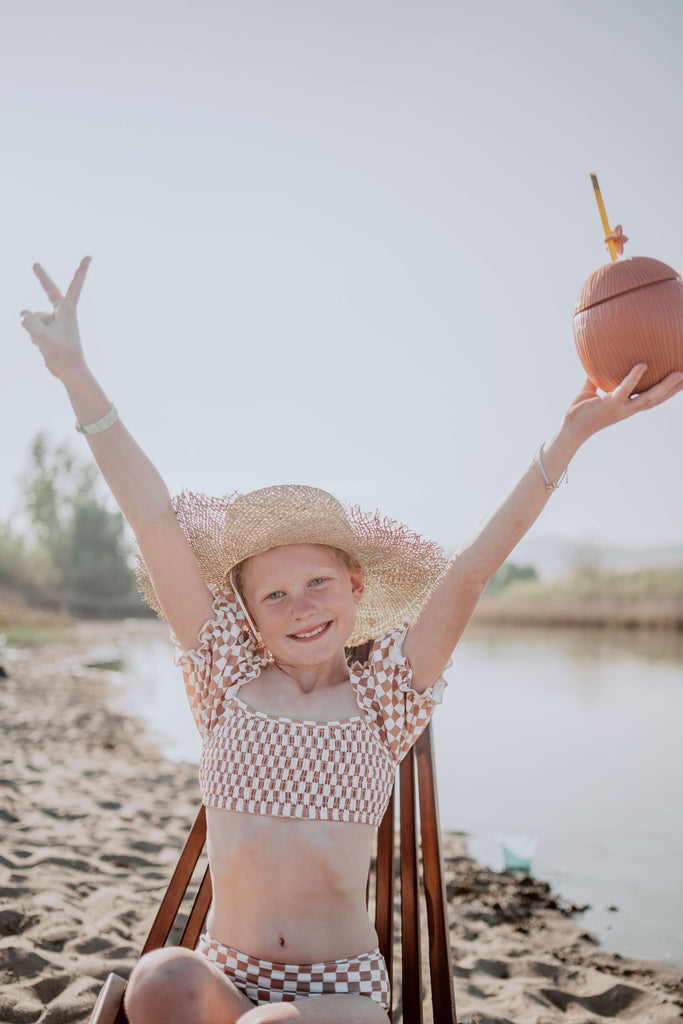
{"x": 99, "y": 425}
{"x": 548, "y": 485}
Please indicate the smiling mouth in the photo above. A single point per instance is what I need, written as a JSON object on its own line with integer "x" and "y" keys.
{"x": 311, "y": 634}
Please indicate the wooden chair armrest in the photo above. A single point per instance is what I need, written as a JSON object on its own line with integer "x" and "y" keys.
{"x": 110, "y": 1002}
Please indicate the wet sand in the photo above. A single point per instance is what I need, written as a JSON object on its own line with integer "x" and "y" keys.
{"x": 92, "y": 821}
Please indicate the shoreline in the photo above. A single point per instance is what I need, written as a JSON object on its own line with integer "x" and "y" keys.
{"x": 648, "y": 601}
{"x": 93, "y": 819}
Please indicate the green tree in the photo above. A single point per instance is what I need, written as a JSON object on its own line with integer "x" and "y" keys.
{"x": 75, "y": 547}
{"x": 510, "y": 573}
{"x": 48, "y": 485}
{"x": 96, "y": 550}
{"x": 46, "y": 489}
{"x": 14, "y": 568}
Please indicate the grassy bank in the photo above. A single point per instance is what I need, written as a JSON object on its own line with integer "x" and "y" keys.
{"x": 20, "y": 623}
{"x": 645, "y": 599}
{"x": 32, "y": 617}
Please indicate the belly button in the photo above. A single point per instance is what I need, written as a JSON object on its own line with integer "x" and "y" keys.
{"x": 281, "y": 940}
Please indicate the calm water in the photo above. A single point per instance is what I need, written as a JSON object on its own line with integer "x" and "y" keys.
{"x": 573, "y": 738}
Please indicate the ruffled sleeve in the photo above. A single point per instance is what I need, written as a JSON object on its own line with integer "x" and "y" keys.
{"x": 226, "y": 656}
{"x": 385, "y": 692}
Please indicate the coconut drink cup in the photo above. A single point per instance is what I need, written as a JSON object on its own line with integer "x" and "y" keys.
{"x": 630, "y": 312}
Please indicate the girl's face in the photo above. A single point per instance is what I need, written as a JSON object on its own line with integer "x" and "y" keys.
{"x": 303, "y": 599}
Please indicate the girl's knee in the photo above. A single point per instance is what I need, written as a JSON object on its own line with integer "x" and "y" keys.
{"x": 166, "y": 986}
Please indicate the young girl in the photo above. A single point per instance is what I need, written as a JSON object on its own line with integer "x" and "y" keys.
{"x": 265, "y": 593}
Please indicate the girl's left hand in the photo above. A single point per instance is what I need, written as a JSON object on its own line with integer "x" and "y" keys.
{"x": 590, "y": 412}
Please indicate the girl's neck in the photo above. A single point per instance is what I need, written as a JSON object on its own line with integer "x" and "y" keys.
{"x": 315, "y": 694}
{"x": 307, "y": 679}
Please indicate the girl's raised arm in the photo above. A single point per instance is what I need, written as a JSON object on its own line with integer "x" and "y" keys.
{"x": 134, "y": 482}
{"x": 447, "y": 610}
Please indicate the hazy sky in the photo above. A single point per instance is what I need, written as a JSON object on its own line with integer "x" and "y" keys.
{"x": 339, "y": 241}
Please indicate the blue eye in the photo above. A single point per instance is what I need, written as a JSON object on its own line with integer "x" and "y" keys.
{"x": 275, "y": 595}
{"x": 317, "y": 580}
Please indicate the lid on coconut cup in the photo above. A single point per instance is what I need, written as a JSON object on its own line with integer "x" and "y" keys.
{"x": 620, "y": 277}
{"x": 627, "y": 313}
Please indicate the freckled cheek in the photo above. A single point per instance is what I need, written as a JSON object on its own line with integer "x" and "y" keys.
{"x": 264, "y": 623}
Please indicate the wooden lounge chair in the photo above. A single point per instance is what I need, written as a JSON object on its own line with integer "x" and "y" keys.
{"x": 408, "y": 998}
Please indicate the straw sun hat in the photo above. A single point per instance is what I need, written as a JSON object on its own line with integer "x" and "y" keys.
{"x": 399, "y": 567}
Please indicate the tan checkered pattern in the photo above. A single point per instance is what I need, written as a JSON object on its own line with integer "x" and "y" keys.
{"x": 226, "y": 653}
{"x": 263, "y": 764}
{"x": 266, "y": 982}
{"x": 384, "y": 691}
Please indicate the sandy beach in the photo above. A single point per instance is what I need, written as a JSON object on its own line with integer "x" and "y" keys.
{"x": 93, "y": 819}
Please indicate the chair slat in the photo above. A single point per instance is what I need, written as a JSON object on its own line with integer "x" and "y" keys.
{"x": 411, "y": 973}
{"x": 108, "y": 1007}
{"x": 197, "y": 917}
{"x": 440, "y": 961}
{"x": 166, "y": 915}
{"x": 384, "y": 886}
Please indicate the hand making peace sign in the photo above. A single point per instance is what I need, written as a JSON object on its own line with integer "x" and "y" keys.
{"x": 56, "y": 333}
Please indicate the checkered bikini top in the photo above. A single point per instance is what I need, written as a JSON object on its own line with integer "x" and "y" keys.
{"x": 264, "y": 764}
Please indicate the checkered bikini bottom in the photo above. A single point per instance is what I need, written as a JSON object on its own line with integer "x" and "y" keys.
{"x": 266, "y": 982}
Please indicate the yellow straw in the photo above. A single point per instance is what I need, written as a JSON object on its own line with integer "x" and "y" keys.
{"x": 603, "y": 216}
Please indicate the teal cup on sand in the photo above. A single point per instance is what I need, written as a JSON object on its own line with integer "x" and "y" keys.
{"x": 518, "y": 851}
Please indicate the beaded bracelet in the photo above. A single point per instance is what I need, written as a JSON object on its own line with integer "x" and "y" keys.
{"x": 99, "y": 425}
{"x": 549, "y": 486}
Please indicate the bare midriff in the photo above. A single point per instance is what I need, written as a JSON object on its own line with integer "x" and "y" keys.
{"x": 287, "y": 890}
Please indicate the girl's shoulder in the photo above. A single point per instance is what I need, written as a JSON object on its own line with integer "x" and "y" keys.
{"x": 384, "y": 660}
{"x": 385, "y": 692}
{"x": 225, "y": 657}
{"x": 224, "y": 640}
